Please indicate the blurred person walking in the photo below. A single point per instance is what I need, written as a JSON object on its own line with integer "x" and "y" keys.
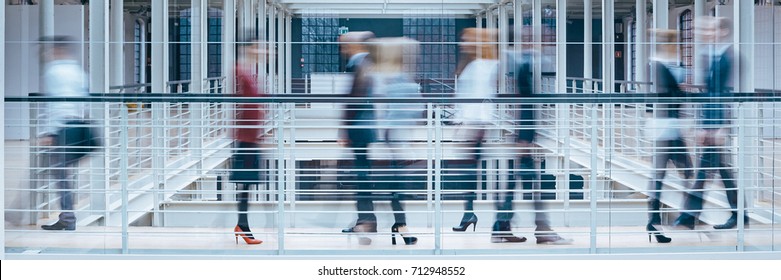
{"x": 389, "y": 80}
{"x": 361, "y": 130}
{"x": 717, "y": 32}
{"x": 66, "y": 130}
{"x": 666, "y": 127}
{"x": 246, "y": 160}
{"x": 477, "y": 78}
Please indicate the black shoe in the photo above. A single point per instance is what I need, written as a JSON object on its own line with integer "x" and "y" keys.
{"x": 657, "y": 234}
{"x": 59, "y": 225}
{"x": 506, "y": 237}
{"x": 348, "y": 230}
{"x": 552, "y": 239}
{"x": 731, "y": 223}
{"x": 501, "y": 232}
{"x": 468, "y": 219}
{"x": 401, "y": 229}
{"x": 685, "y": 221}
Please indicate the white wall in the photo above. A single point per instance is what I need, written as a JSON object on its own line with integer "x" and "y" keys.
{"x": 767, "y": 63}
{"x": 767, "y": 57}
{"x": 22, "y": 61}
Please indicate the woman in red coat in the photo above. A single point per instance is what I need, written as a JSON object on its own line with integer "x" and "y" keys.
{"x": 245, "y": 163}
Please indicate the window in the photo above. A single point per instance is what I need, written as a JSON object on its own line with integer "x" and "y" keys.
{"x": 548, "y": 36}
{"x": 139, "y": 31}
{"x": 633, "y": 52}
{"x": 687, "y": 44}
{"x": 437, "y": 37}
{"x": 317, "y": 53}
{"x": 214, "y": 60}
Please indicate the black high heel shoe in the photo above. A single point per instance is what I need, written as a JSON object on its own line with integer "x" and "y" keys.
{"x": 400, "y": 229}
{"x": 657, "y": 234}
{"x": 466, "y": 221}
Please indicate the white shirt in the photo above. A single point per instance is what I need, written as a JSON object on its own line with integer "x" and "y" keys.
{"x": 356, "y": 59}
{"x": 478, "y": 80}
{"x": 63, "y": 78}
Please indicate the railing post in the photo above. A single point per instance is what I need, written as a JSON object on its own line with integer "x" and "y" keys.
{"x": 593, "y": 195}
{"x": 438, "y": 180}
{"x": 429, "y": 159}
{"x": 35, "y": 162}
{"x": 742, "y": 181}
{"x": 280, "y": 133}
{"x": 292, "y": 179}
{"x": 123, "y": 174}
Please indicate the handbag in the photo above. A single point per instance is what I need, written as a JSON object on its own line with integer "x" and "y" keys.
{"x": 76, "y": 140}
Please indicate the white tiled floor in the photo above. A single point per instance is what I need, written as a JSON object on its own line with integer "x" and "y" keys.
{"x": 162, "y": 239}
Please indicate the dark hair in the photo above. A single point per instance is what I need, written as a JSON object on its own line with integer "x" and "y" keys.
{"x": 61, "y": 43}
{"x": 57, "y": 41}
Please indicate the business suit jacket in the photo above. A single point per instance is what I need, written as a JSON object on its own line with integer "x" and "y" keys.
{"x": 360, "y": 118}
{"x": 717, "y": 77}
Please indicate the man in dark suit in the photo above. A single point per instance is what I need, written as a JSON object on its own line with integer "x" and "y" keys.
{"x": 360, "y": 131}
{"x": 713, "y": 135}
{"x": 530, "y": 178}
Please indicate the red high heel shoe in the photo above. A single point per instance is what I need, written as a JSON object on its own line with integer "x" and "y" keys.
{"x": 238, "y": 231}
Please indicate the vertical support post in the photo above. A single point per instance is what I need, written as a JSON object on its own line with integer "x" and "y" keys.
{"x": 699, "y": 61}
{"x": 661, "y": 21}
{"x": 272, "y": 52}
{"x": 588, "y": 47}
{"x": 608, "y": 86}
{"x": 430, "y": 183}
{"x": 288, "y": 53}
{"x": 641, "y": 46}
{"x": 123, "y": 174}
{"x": 262, "y": 18}
{"x": 562, "y": 110}
{"x": 46, "y": 28}
{"x": 244, "y": 17}
{"x": 594, "y": 178}
{"x": 198, "y": 45}
{"x": 744, "y": 83}
{"x": 281, "y": 52}
{"x": 2, "y": 129}
{"x": 47, "y": 17}
{"x": 490, "y": 19}
{"x": 537, "y": 27}
{"x": 518, "y": 24}
{"x": 503, "y": 38}
{"x": 661, "y": 10}
{"x": 608, "y": 47}
{"x": 479, "y": 25}
{"x": 438, "y": 180}
{"x": 281, "y": 219}
{"x": 229, "y": 45}
{"x": 159, "y": 78}
{"x": 743, "y": 35}
{"x": 116, "y": 50}
{"x": 199, "y": 51}
{"x": 117, "y": 43}
{"x": 98, "y": 83}
{"x": 561, "y": 46}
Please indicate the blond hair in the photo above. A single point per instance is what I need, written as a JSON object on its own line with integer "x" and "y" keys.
{"x": 486, "y": 38}
{"x": 390, "y": 54}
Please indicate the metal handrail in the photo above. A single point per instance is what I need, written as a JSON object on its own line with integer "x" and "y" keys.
{"x": 593, "y": 98}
